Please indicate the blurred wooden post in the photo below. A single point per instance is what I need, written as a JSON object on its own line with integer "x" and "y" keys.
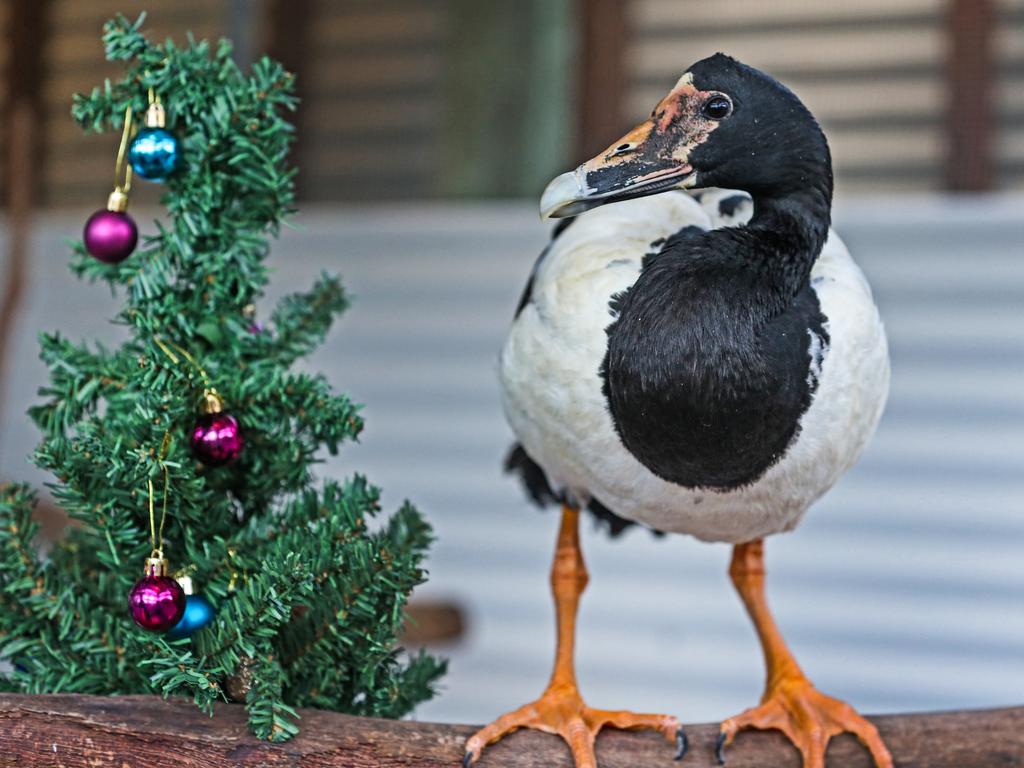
{"x": 603, "y": 37}
{"x": 507, "y": 116}
{"x": 970, "y": 74}
{"x": 26, "y": 34}
{"x": 288, "y": 26}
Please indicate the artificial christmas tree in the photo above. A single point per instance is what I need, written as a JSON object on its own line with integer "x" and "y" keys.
{"x": 189, "y": 448}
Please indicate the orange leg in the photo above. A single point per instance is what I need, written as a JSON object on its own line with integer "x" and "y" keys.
{"x": 790, "y": 704}
{"x": 560, "y": 709}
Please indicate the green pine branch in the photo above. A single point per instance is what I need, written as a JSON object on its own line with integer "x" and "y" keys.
{"x": 303, "y": 319}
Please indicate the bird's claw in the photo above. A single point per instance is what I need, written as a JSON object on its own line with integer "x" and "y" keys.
{"x": 720, "y": 747}
{"x": 809, "y": 719}
{"x": 682, "y": 743}
{"x": 561, "y": 710}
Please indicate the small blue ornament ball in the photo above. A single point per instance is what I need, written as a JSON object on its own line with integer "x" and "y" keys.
{"x": 154, "y": 153}
{"x": 198, "y": 613}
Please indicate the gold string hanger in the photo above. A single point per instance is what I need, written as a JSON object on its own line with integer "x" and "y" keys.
{"x": 118, "y": 200}
{"x": 212, "y": 401}
{"x": 156, "y": 563}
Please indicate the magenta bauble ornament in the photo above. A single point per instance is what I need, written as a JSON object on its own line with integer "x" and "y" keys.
{"x": 216, "y": 437}
{"x": 156, "y": 602}
{"x": 110, "y": 235}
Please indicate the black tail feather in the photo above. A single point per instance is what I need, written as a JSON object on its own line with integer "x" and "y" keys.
{"x": 540, "y": 492}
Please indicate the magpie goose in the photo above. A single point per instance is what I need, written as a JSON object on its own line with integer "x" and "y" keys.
{"x": 706, "y": 363}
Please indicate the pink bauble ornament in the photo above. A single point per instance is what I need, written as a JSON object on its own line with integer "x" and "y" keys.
{"x": 216, "y": 438}
{"x": 156, "y": 602}
{"x": 110, "y": 236}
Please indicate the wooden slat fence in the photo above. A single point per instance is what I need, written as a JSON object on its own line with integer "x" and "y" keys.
{"x": 384, "y": 99}
{"x": 373, "y": 99}
{"x": 872, "y": 72}
{"x": 1009, "y": 50}
{"x": 77, "y": 163}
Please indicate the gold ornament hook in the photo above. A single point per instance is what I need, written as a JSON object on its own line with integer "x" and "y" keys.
{"x": 156, "y": 565}
{"x": 212, "y": 402}
{"x": 186, "y": 584}
{"x": 155, "y": 115}
{"x": 118, "y": 200}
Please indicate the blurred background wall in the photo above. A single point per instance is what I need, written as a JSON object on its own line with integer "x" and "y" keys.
{"x": 427, "y": 131}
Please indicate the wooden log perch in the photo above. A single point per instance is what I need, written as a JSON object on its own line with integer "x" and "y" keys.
{"x": 72, "y": 731}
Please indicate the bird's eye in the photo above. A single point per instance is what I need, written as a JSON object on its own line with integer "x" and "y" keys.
{"x": 717, "y": 107}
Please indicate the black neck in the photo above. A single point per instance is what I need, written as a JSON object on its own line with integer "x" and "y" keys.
{"x": 786, "y": 234}
{"x": 792, "y": 215}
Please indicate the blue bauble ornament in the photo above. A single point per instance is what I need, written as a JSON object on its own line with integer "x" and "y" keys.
{"x": 154, "y": 153}
{"x": 198, "y": 613}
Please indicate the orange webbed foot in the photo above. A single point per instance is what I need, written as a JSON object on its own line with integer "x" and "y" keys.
{"x": 809, "y": 719}
{"x": 561, "y": 711}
